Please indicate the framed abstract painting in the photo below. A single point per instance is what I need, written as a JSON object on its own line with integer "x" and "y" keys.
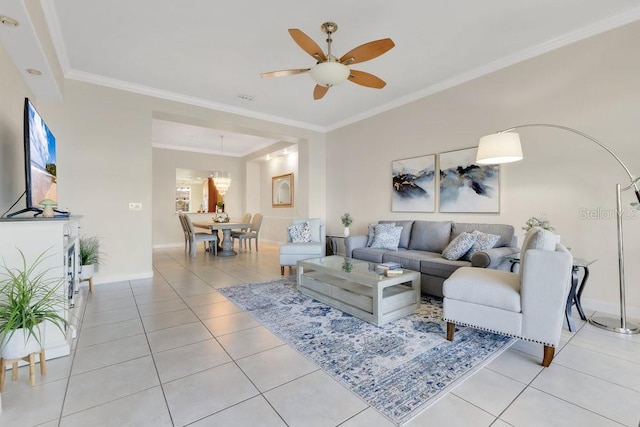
{"x": 466, "y": 186}
{"x": 414, "y": 184}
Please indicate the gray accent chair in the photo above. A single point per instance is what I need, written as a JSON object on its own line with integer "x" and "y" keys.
{"x": 291, "y": 252}
{"x": 528, "y": 305}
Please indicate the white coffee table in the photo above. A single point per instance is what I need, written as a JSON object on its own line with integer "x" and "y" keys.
{"x": 355, "y": 287}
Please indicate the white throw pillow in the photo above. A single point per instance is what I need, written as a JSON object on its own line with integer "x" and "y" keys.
{"x": 300, "y": 233}
{"x": 459, "y": 246}
{"x": 386, "y": 236}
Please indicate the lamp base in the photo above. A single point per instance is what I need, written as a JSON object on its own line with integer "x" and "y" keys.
{"x": 614, "y": 325}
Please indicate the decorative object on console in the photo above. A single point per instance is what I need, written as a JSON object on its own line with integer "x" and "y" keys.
{"x": 347, "y": 220}
{"x": 414, "y": 184}
{"x": 89, "y": 258}
{"x": 465, "y": 185}
{"x": 282, "y": 191}
{"x": 48, "y": 206}
{"x": 505, "y": 147}
{"x": 27, "y": 299}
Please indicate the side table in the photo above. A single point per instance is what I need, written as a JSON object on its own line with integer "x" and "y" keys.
{"x": 575, "y": 293}
{"x": 332, "y": 243}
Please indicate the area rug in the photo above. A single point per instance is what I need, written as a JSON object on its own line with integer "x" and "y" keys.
{"x": 399, "y": 368}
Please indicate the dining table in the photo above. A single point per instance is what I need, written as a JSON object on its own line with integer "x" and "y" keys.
{"x": 226, "y": 245}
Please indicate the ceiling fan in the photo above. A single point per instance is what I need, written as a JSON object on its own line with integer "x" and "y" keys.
{"x": 329, "y": 70}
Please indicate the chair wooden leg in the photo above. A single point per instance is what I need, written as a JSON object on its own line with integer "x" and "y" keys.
{"x": 32, "y": 369}
{"x": 451, "y": 328}
{"x": 3, "y": 373}
{"x": 548, "y": 355}
{"x": 14, "y": 371}
{"x": 43, "y": 363}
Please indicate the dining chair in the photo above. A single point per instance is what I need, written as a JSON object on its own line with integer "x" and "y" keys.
{"x": 185, "y": 231}
{"x": 195, "y": 237}
{"x": 246, "y": 219}
{"x": 252, "y": 233}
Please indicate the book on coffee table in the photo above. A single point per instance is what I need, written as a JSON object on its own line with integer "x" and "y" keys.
{"x": 389, "y": 265}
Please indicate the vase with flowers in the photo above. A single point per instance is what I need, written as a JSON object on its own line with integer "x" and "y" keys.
{"x": 346, "y": 222}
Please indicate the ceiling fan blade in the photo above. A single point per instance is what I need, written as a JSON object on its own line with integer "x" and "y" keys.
{"x": 366, "y": 79}
{"x": 319, "y": 91}
{"x": 285, "y": 72}
{"x": 367, "y": 51}
{"x": 307, "y": 44}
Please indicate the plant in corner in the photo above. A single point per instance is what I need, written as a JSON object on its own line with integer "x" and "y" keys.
{"x": 89, "y": 256}
{"x": 28, "y": 297}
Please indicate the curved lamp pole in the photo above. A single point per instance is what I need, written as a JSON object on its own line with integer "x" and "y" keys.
{"x": 504, "y": 147}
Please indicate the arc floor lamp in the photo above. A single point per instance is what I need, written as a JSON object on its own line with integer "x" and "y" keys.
{"x": 504, "y": 147}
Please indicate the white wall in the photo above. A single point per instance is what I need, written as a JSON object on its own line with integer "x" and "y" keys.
{"x": 593, "y": 86}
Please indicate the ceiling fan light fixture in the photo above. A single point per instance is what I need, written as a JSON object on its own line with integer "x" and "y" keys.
{"x": 329, "y": 74}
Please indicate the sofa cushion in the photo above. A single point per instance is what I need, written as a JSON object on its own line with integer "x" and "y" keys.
{"x": 368, "y": 254}
{"x": 386, "y": 237}
{"x": 311, "y": 249}
{"x": 300, "y": 233}
{"x": 483, "y": 241}
{"x": 408, "y": 259}
{"x": 440, "y": 267}
{"x": 504, "y": 231}
{"x": 493, "y": 288}
{"x": 459, "y": 246}
{"x": 406, "y": 231}
{"x": 431, "y": 236}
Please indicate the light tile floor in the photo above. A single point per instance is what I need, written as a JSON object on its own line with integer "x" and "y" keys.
{"x": 173, "y": 351}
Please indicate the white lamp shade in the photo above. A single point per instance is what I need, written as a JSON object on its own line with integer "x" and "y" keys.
{"x": 499, "y": 148}
{"x": 329, "y": 73}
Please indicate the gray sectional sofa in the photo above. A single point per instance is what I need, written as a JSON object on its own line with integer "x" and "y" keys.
{"x": 421, "y": 245}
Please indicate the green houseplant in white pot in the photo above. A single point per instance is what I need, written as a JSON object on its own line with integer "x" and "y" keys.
{"x": 28, "y": 299}
{"x": 89, "y": 256}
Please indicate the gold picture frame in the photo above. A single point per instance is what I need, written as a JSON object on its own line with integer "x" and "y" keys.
{"x": 282, "y": 191}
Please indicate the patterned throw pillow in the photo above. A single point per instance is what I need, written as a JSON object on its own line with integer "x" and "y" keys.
{"x": 300, "y": 233}
{"x": 372, "y": 232}
{"x": 459, "y": 246}
{"x": 386, "y": 236}
{"x": 483, "y": 241}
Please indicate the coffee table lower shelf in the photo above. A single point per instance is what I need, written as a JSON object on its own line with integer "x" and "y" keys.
{"x": 388, "y": 299}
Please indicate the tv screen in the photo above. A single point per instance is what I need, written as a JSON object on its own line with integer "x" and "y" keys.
{"x": 39, "y": 162}
{"x": 40, "y": 158}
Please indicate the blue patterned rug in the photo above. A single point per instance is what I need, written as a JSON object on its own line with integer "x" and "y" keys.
{"x": 398, "y": 368}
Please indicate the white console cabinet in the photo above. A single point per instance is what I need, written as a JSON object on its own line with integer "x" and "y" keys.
{"x": 59, "y": 238}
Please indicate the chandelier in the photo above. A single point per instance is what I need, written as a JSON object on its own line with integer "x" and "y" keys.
{"x": 221, "y": 178}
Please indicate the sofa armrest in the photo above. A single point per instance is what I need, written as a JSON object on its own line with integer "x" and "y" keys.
{"x": 492, "y": 258}
{"x": 354, "y": 241}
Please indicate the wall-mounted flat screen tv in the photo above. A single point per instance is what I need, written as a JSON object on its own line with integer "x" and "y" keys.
{"x": 39, "y": 160}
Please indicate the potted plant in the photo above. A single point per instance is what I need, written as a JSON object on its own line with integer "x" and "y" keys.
{"x": 89, "y": 256}
{"x": 346, "y": 222}
{"x": 27, "y": 298}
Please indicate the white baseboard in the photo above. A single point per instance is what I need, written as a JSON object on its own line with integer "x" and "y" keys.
{"x": 610, "y": 308}
{"x": 168, "y": 245}
{"x": 112, "y": 278}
